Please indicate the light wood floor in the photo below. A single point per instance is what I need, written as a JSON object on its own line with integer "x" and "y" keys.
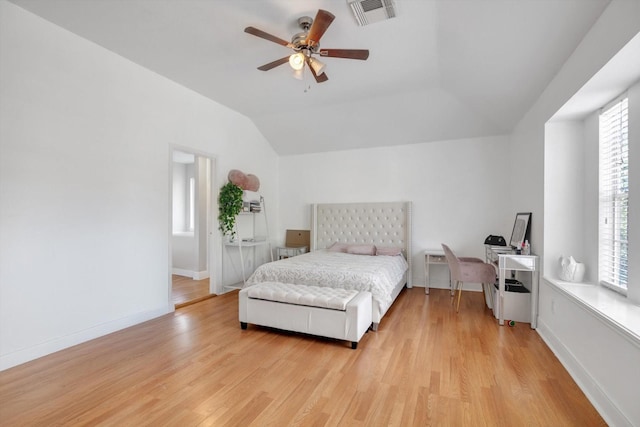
{"x": 196, "y": 367}
{"x": 185, "y": 290}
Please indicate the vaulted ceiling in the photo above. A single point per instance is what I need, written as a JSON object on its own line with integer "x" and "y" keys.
{"x": 441, "y": 69}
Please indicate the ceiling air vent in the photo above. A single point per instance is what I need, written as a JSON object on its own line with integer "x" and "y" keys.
{"x": 370, "y": 11}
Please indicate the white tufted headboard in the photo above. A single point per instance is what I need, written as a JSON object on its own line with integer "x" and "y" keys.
{"x": 382, "y": 224}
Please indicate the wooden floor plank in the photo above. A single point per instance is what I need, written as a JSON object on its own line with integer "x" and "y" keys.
{"x": 426, "y": 365}
{"x": 186, "y": 291}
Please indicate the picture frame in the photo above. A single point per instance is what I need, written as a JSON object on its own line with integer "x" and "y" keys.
{"x": 521, "y": 229}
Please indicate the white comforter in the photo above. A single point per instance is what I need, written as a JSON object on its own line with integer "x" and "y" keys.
{"x": 376, "y": 274}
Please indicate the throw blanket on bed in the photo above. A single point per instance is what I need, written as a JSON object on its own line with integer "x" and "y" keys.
{"x": 376, "y": 274}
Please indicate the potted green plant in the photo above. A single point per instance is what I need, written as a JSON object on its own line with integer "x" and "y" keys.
{"x": 229, "y": 205}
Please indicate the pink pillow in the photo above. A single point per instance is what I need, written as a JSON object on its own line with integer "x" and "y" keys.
{"x": 361, "y": 249}
{"x": 389, "y": 251}
{"x": 338, "y": 247}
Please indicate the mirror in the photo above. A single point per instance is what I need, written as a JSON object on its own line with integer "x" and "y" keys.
{"x": 521, "y": 229}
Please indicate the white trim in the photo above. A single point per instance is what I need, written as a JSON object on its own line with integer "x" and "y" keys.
{"x": 195, "y": 275}
{"x": 199, "y": 275}
{"x": 182, "y": 272}
{"x": 27, "y": 354}
{"x": 589, "y": 386}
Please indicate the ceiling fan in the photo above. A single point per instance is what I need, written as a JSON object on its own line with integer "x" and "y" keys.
{"x": 307, "y": 44}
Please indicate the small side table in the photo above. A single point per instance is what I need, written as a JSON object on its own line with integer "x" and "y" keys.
{"x": 434, "y": 257}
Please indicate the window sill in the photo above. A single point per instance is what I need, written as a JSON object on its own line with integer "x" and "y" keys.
{"x": 606, "y": 304}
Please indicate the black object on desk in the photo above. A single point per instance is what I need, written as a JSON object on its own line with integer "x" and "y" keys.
{"x": 495, "y": 241}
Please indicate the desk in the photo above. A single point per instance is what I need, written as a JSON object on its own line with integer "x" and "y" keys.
{"x": 508, "y": 262}
{"x": 241, "y": 246}
{"x": 434, "y": 257}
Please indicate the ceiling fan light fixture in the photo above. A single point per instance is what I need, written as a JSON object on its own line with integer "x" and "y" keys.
{"x": 307, "y": 44}
{"x": 297, "y": 61}
{"x": 298, "y": 74}
{"x": 317, "y": 65}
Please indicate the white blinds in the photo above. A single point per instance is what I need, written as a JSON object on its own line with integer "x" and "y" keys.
{"x": 614, "y": 195}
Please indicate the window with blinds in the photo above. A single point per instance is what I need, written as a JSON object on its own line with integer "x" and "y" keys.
{"x": 614, "y": 195}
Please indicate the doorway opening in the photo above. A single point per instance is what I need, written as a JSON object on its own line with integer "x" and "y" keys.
{"x": 191, "y": 227}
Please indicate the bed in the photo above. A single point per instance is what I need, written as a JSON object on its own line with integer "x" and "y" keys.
{"x": 386, "y": 225}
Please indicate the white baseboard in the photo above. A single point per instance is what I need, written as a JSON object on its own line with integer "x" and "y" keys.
{"x": 182, "y": 272}
{"x": 199, "y": 275}
{"x": 598, "y": 398}
{"x": 195, "y": 275}
{"x": 26, "y": 355}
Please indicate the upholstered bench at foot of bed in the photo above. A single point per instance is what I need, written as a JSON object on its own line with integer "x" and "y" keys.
{"x": 327, "y": 312}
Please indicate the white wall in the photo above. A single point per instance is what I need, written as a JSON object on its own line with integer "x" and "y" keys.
{"x": 601, "y": 359}
{"x": 85, "y": 142}
{"x": 564, "y": 213}
{"x": 459, "y": 190}
{"x": 571, "y": 194}
{"x": 201, "y": 205}
{"x": 616, "y": 26}
{"x": 183, "y": 259}
{"x": 189, "y": 247}
{"x": 591, "y": 196}
{"x": 180, "y": 192}
{"x": 596, "y": 355}
{"x": 183, "y": 241}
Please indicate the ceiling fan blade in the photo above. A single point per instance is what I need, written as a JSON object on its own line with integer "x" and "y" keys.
{"x": 274, "y": 64}
{"x": 345, "y": 53}
{"x": 319, "y": 78}
{"x": 259, "y": 33}
{"x": 320, "y": 24}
